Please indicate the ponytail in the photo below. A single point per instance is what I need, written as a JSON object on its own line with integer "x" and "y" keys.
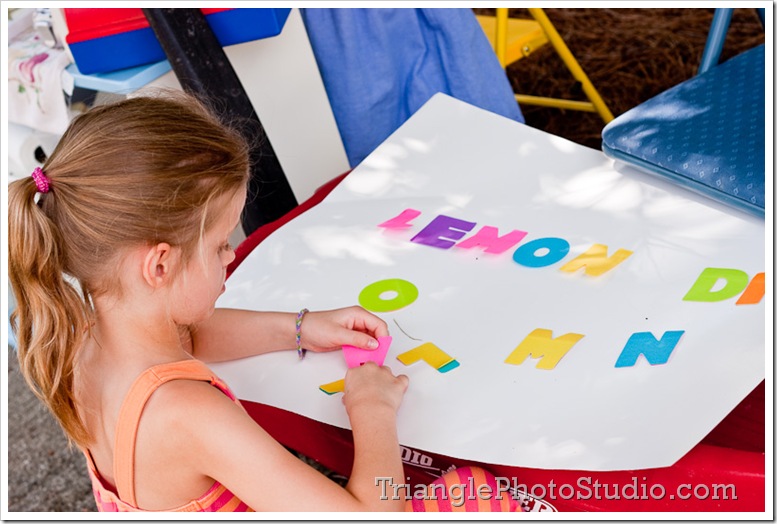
{"x": 51, "y": 316}
{"x": 136, "y": 172}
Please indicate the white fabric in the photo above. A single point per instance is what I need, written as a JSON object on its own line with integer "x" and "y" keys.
{"x": 35, "y": 89}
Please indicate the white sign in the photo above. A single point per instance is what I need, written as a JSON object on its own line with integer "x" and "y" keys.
{"x": 551, "y": 310}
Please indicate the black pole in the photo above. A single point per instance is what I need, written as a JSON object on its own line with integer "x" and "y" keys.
{"x": 203, "y": 69}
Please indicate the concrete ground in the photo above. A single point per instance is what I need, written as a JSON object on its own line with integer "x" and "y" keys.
{"x": 43, "y": 474}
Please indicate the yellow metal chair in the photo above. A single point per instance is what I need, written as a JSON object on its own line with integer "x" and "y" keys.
{"x": 514, "y": 38}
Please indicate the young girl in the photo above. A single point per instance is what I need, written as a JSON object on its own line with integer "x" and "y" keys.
{"x": 118, "y": 251}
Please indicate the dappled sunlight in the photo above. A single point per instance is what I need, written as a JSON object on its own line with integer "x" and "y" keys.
{"x": 388, "y": 157}
{"x": 364, "y": 244}
{"x": 563, "y": 145}
{"x": 600, "y": 190}
{"x": 446, "y": 294}
{"x": 526, "y": 148}
{"x": 647, "y": 208}
{"x": 460, "y": 200}
{"x": 265, "y": 288}
{"x": 379, "y": 181}
{"x": 554, "y": 452}
{"x": 692, "y": 219}
{"x": 500, "y": 182}
{"x": 614, "y": 441}
{"x": 419, "y": 146}
{"x": 672, "y": 108}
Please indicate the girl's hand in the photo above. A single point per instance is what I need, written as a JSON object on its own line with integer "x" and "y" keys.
{"x": 371, "y": 386}
{"x": 329, "y": 330}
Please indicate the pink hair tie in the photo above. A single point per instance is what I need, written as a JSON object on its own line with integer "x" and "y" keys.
{"x": 41, "y": 180}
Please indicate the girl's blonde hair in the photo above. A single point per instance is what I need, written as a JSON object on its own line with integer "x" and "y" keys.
{"x": 137, "y": 172}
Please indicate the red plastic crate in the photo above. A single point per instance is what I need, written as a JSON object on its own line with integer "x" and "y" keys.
{"x": 110, "y": 39}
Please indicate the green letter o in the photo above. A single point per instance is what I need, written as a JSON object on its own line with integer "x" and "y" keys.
{"x": 370, "y": 297}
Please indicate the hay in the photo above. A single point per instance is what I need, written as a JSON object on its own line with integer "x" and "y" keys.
{"x": 630, "y": 55}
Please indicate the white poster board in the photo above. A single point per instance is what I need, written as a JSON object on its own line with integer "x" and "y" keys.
{"x": 650, "y": 367}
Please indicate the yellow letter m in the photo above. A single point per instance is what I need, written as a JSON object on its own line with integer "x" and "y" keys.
{"x": 541, "y": 344}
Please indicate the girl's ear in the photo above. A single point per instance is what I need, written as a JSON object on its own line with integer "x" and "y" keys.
{"x": 157, "y": 265}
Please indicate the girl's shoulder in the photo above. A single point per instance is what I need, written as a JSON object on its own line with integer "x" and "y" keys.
{"x": 179, "y": 392}
{"x": 180, "y": 431}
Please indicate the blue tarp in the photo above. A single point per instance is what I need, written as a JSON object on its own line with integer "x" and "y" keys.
{"x": 380, "y": 65}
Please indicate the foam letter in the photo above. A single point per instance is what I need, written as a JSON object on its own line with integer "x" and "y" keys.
{"x": 541, "y": 344}
{"x": 595, "y": 260}
{"x": 432, "y": 355}
{"x": 402, "y": 220}
{"x": 526, "y": 255}
{"x": 443, "y": 232}
{"x": 338, "y": 386}
{"x": 754, "y": 292}
{"x": 488, "y": 238}
{"x": 655, "y": 351}
{"x": 371, "y": 296}
{"x": 355, "y": 356}
{"x": 701, "y": 291}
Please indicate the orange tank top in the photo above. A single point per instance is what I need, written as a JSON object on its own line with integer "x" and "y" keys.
{"x": 122, "y": 498}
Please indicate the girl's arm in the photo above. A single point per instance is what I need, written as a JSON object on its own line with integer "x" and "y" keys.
{"x": 216, "y": 438}
{"x": 235, "y": 333}
{"x": 372, "y": 409}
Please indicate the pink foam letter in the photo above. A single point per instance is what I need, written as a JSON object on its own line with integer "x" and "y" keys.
{"x": 402, "y": 220}
{"x": 488, "y": 238}
{"x": 355, "y": 356}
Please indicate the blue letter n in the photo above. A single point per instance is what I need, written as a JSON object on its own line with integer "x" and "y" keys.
{"x": 655, "y": 351}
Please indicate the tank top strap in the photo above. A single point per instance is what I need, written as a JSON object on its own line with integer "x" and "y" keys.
{"x": 132, "y": 408}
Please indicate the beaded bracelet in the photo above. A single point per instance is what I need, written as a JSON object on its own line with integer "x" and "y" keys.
{"x": 300, "y": 351}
